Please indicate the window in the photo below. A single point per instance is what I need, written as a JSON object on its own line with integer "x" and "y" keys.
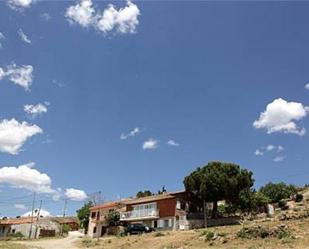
{"x": 166, "y": 223}
{"x": 93, "y": 214}
{"x": 94, "y": 229}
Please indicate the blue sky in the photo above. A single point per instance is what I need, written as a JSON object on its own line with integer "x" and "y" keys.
{"x": 197, "y": 73}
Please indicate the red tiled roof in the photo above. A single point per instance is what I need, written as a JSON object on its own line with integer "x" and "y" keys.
{"x": 106, "y": 205}
{"x": 16, "y": 221}
{"x": 149, "y": 199}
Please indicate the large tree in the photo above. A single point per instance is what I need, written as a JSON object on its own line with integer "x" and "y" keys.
{"x": 219, "y": 181}
{"x": 83, "y": 215}
{"x": 144, "y": 193}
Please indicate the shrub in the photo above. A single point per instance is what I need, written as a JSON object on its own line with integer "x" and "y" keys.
{"x": 159, "y": 234}
{"x": 299, "y": 197}
{"x": 283, "y": 205}
{"x": 278, "y": 191}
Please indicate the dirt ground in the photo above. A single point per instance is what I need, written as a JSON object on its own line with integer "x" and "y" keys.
{"x": 194, "y": 240}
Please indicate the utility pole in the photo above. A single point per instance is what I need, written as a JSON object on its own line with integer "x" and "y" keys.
{"x": 64, "y": 213}
{"x": 31, "y": 223}
{"x": 37, "y": 219}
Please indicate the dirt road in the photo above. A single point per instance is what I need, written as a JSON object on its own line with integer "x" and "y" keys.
{"x": 65, "y": 243}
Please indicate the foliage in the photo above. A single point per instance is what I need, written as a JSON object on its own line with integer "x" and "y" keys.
{"x": 65, "y": 228}
{"x": 159, "y": 234}
{"x": 208, "y": 235}
{"x": 17, "y": 235}
{"x": 219, "y": 181}
{"x": 144, "y": 193}
{"x": 278, "y": 191}
{"x": 112, "y": 218}
{"x": 299, "y": 197}
{"x": 283, "y": 204}
{"x": 252, "y": 201}
{"x": 83, "y": 215}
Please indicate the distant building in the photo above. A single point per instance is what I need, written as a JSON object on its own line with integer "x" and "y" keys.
{"x": 41, "y": 227}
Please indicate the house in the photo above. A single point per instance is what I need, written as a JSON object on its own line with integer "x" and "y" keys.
{"x": 71, "y": 222}
{"x": 98, "y": 225}
{"x": 26, "y": 226}
{"x": 166, "y": 211}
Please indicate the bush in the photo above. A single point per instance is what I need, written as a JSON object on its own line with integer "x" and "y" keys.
{"x": 299, "y": 197}
{"x": 278, "y": 191}
{"x": 208, "y": 235}
{"x": 283, "y": 204}
{"x": 17, "y": 235}
{"x": 159, "y": 234}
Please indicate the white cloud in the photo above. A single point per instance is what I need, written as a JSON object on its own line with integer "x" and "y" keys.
{"x": 26, "y": 177}
{"x": 81, "y": 13}
{"x": 20, "y": 4}
{"x": 14, "y": 134}
{"x": 23, "y": 36}
{"x": 150, "y": 144}
{"x": 20, "y": 206}
{"x": 2, "y": 37}
{"x": 270, "y": 147}
{"x": 124, "y": 20}
{"x": 281, "y": 116}
{"x": 45, "y": 16}
{"x": 307, "y": 86}
{"x": 132, "y": 133}
{"x": 172, "y": 143}
{"x": 279, "y": 159}
{"x": 21, "y": 76}
{"x": 258, "y": 153}
{"x": 43, "y": 213}
{"x": 280, "y": 148}
{"x": 35, "y": 110}
{"x": 75, "y": 194}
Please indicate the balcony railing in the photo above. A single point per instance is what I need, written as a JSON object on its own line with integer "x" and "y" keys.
{"x": 139, "y": 214}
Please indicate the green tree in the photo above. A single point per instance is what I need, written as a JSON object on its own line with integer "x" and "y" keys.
{"x": 252, "y": 201}
{"x": 144, "y": 193}
{"x": 219, "y": 181}
{"x": 83, "y": 215}
{"x": 278, "y": 191}
{"x": 112, "y": 218}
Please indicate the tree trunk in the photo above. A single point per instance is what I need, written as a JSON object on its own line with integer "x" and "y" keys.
{"x": 214, "y": 209}
{"x": 205, "y": 213}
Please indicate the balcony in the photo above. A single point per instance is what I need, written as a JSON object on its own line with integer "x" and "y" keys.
{"x": 139, "y": 214}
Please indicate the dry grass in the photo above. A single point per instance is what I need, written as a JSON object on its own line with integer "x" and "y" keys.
{"x": 192, "y": 239}
{"x": 12, "y": 245}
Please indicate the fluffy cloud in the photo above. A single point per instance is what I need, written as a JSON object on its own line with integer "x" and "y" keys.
{"x": 130, "y": 134}
{"x": 20, "y": 4}
{"x": 21, "y": 76}
{"x": 278, "y": 159}
{"x": 307, "y": 86}
{"x": 75, "y": 194}
{"x": 172, "y": 143}
{"x": 269, "y": 148}
{"x": 45, "y": 16}
{"x": 14, "y": 134}
{"x": 124, "y": 20}
{"x": 2, "y": 37}
{"x": 258, "y": 153}
{"x": 281, "y": 116}
{"x": 19, "y": 206}
{"x": 23, "y": 36}
{"x": 43, "y": 213}
{"x": 35, "y": 110}
{"x": 26, "y": 177}
{"x": 81, "y": 13}
{"x": 150, "y": 144}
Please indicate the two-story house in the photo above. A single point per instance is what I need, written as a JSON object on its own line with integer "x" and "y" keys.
{"x": 97, "y": 223}
{"x": 167, "y": 211}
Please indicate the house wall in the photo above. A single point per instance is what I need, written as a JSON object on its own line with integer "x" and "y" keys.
{"x": 166, "y": 207}
{"x": 4, "y": 230}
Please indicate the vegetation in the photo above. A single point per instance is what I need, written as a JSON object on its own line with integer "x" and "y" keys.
{"x": 219, "y": 181}
{"x": 278, "y": 191}
{"x": 83, "y": 215}
{"x": 112, "y": 218}
{"x": 144, "y": 193}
